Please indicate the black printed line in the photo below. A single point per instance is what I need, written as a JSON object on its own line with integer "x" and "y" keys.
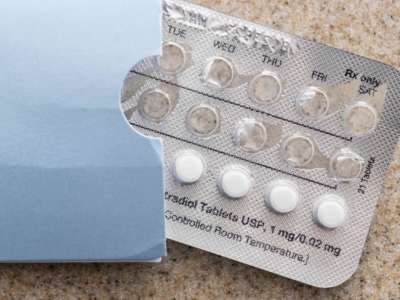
{"x": 233, "y": 156}
{"x": 241, "y": 105}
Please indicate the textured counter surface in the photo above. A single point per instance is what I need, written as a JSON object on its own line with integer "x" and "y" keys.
{"x": 369, "y": 28}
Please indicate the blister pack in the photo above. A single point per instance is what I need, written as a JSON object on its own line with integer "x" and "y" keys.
{"x": 276, "y": 147}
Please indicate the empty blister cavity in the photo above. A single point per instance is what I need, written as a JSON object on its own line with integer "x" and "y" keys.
{"x": 203, "y": 120}
{"x": 265, "y": 88}
{"x": 330, "y": 211}
{"x": 313, "y": 103}
{"x": 174, "y": 58}
{"x": 298, "y": 150}
{"x": 252, "y": 135}
{"x": 345, "y": 165}
{"x": 235, "y": 181}
{"x": 319, "y": 102}
{"x": 360, "y": 119}
{"x": 282, "y": 196}
{"x": 155, "y": 104}
{"x": 188, "y": 166}
{"x": 301, "y": 151}
{"x": 219, "y": 73}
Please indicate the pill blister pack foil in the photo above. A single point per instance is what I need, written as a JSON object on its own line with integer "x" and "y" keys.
{"x": 245, "y": 229}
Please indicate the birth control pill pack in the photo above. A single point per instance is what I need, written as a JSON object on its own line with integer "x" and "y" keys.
{"x": 275, "y": 147}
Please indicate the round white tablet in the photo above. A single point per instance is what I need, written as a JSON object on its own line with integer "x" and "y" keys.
{"x": 282, "y": 196}
{"x": 330, "y": 211}
{"x": 235, "y": 182}
{"x": 188, "y": 166}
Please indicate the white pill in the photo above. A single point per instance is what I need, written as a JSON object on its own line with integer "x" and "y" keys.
{"x": 235, "y": 182}
{"x": 330, "y": 211}
{"x": 188, "y": 167}
{"x": 282, "y": 196}
{"x": 265, "y": 88}
{"x": 218, "y": 73}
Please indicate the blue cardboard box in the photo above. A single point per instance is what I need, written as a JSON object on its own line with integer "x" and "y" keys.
{"x": 76, "y": 183}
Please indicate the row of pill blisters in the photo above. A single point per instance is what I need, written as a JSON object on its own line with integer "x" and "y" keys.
{"x": 360, "y": 118}
{"x": 235, "y": 182}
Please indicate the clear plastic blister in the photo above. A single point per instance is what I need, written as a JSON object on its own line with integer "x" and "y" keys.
{"x": 276, "y": 147}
